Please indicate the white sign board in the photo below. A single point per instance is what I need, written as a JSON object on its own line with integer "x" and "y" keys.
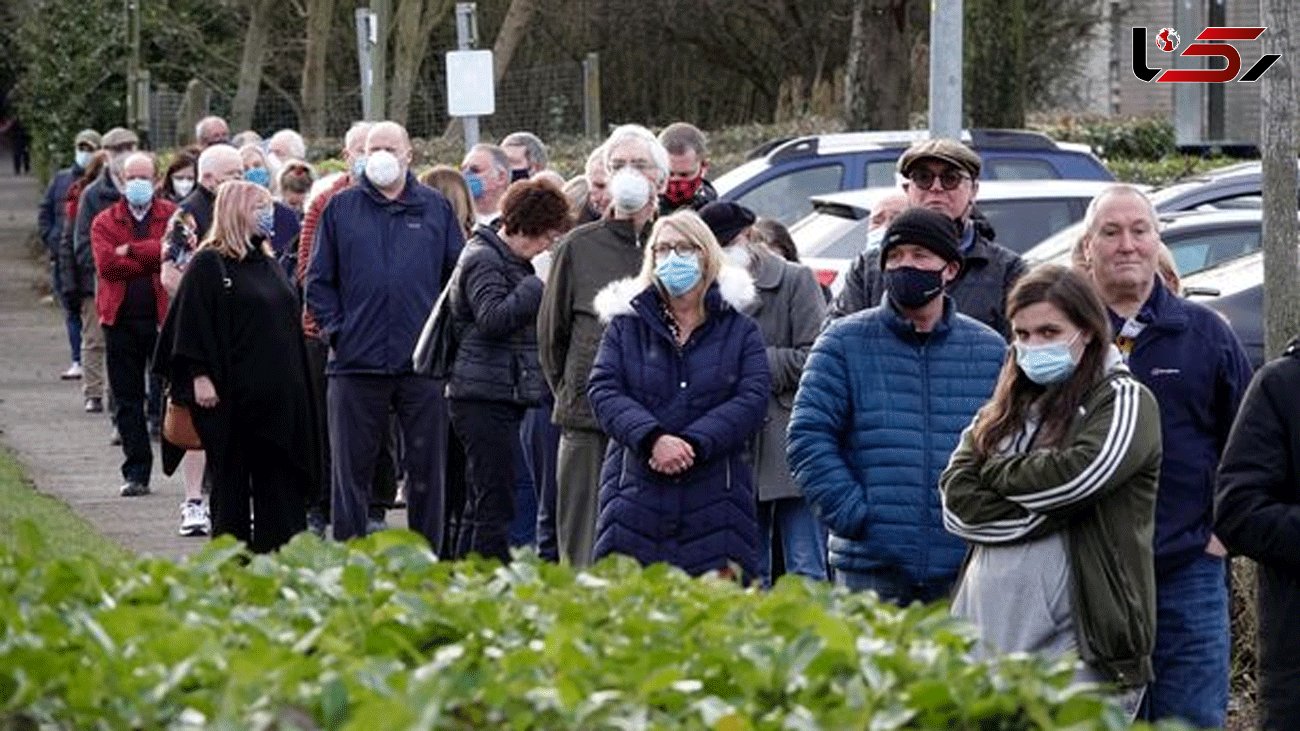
{"x": 470, "y": 92}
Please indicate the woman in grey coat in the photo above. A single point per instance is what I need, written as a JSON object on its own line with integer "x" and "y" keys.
{"x": 789, "y": 312}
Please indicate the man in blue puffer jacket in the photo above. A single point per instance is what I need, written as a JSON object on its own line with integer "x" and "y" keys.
{"x": 384, "y": 249}
{"x": 884, "y": 397}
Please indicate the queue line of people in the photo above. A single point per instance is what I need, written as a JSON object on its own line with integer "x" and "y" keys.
{"x": 643, "y": 366}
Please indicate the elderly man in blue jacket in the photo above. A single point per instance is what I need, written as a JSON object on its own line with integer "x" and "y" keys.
{"x": 384, "y": 250}
{"x": 883, "y": 399}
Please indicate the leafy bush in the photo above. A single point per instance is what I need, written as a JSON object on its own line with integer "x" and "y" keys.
{"x": 378, "y": 634}
{"x": 1141, "y": 138}
{"x": 1165, "y": 171}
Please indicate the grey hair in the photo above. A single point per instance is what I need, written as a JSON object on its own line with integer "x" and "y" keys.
{"x": 596, "y": 160}
{"x": 208, "y": 120}
{"x": 637, "y": 133}
{"x": 209, "y": 158}
{"x": 1094, "y": 207}
{"x": 297, "y": 146}
{"x": 534, "y": 149}
{"x": 498, "y": 155}
{"x": 357, "y": 128}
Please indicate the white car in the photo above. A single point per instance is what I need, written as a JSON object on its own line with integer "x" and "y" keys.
{"x": 1021, "y": 214}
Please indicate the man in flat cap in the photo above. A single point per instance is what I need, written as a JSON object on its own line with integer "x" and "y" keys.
{"x": 943, "y": 176}
{"x": 883, "y": 399}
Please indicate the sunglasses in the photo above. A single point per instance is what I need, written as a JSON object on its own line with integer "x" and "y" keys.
{"x": 948, "y": 179}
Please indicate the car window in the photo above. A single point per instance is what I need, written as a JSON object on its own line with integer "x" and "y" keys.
{"x": 785, "y": 198}
{"x": 1019, "y": 224}
{"x": 848, "y": 242}
{"x": 1197, "y": 250}
{"x": 880, "y": 174}
{"x": 1019, "y": 168}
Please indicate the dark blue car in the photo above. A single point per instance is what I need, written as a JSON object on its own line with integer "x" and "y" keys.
{"x": 778, "y": 181}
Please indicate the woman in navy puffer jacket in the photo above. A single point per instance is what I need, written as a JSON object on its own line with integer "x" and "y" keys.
{"x": 680, "y": 385}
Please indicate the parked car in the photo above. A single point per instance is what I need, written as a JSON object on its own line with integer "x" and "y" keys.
{"x": 1021, "y": 214}
{"x": 1235, "y": 289}
{"x": 1197, "y": 239}
{"x": 779, "y": 180}
{"x": 1235, "y": 187}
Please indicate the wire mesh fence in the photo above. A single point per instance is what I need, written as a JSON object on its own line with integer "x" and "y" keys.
{"x": 547, "y": 100}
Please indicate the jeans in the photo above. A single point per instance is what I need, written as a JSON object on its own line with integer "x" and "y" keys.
{"x": 1192, "y": 645}
{"x": 129, "y": 345}
{"x": 893, "y": 586}
{"x": 71, "y": 313}
{"x": 541, "y": 442}
{"x": 802, "y": 539}
{"x": 487, "y": 430}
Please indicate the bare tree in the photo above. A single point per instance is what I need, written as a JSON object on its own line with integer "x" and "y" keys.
{"x": 250, "y": 66}
{"x": 320, "y": 16}
{"x": 413, "y": 23}
{"x": 877, "y": 85}
{"x": 1278, "y": 136}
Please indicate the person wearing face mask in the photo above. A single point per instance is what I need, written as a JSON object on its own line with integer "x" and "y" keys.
{"x": 789, "y": 310}
{"x": 526, "y": 153}
{"x": 384, "y": 487}
{"x": 688, "y": 162}
{"x": 1054, "y": 488}
{"x": 178, "y": 179}
{"x": 126, "y": 240}
{"x": 385, "y": 248}
{"x": 569, "y": 328}
{"x": 81, "y": 275}
{"x": 256, "y": 168}
{"x": 487, "y": 173}
{"x": 52, "y": 221}
{"x": 882, "y": 400}
{"x": 680, "y": 384}
{"x": 943, "y": 176}
{"x": 230, "y": 349}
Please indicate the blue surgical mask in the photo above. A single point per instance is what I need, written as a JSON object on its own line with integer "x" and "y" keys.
{"x": 138, "y": 192}
{"x": 475, "y": 184}
{"x": 358, "y": 167}
{"x": 1048, "y": 363}
{"x": 678, "y": 273}
{"x": 259, "y": 176}
{"x": 266, "y": 221}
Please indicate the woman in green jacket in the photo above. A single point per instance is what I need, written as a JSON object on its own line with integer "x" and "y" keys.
{"x": 1054, "y": 487}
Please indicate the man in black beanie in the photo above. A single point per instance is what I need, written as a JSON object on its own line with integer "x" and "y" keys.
{"x": 883, "y": 399}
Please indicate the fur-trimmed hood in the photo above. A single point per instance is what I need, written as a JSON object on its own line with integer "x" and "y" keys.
{"x": 734, "y": 286}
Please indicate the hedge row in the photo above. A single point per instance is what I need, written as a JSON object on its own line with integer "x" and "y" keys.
{"x": 378, "y": 634}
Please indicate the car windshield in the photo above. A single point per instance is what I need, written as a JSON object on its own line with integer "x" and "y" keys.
{"x": 1019, "y": 224}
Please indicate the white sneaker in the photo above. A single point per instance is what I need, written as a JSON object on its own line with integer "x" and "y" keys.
{"x": 194, "y": 518}
{"x": 72, "y": 374}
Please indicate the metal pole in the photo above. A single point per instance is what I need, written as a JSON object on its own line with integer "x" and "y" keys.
{"x": 133, "y": 65}
{"x": 945, "y": 68}
{"x": 381, "y": 10}
{"x": 591, "y": 95}
{"x": 466, "y": 38}
{"x": 364, "y": 44}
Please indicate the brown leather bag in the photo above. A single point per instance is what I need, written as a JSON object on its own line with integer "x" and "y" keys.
{"x": 178, "y": 426}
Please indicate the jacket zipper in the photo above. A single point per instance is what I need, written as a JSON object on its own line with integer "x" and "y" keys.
{"x": 728, "y": 487}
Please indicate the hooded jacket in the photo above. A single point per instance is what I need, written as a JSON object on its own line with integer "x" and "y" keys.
{"x": 1257, "y": 514}
{"x": 713, "y": 393}
{"x": 878, "y": 414}
{"x": 377, "y": 269}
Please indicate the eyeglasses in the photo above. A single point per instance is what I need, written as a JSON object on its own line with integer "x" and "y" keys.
{"x": 948, "y": 180}
{"x": 641, "y": 166}
{"x": 682, "y": 248}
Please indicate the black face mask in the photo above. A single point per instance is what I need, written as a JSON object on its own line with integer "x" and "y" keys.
{"x": 912, "y": 288}
{"x": 518, "y": 174}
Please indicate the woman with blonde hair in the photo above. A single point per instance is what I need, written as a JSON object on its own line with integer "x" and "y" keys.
{"x": 448, "y": 181}
{"x": 232, "y": 351}
{"x": 680, "y": 385}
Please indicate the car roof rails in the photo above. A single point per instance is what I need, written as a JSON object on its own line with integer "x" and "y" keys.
{"x": 797, "y": 147}
{"x": 766, "y": 147}
{"x": 991, "y": 139}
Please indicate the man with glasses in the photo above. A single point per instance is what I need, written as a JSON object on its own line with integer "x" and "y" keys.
{"x": 569, "y": 329}
{"x": 943, "y": 176}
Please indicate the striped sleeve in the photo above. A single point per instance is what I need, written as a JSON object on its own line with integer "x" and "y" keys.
{"x": 1120, "y": 433}
{"x": 975, "y": 512}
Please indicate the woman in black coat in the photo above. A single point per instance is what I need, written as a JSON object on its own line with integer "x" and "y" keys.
{"x": 495, "y": 376}
{"x": 232, "y": 350}
{"x": 1257, "y": 514}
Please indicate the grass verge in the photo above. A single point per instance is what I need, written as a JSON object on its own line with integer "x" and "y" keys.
{"x": 64, "y": 533}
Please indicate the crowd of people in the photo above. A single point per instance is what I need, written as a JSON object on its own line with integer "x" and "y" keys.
{"x": 641, "y": 369}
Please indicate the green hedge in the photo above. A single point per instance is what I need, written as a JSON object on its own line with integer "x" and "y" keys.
{"x": 379, "y": 635}
{"x": 1142, "y": 138}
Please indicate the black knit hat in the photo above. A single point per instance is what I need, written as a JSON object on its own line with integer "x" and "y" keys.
{"x": 726, "y": 219}
{"x": 923, "y": 227}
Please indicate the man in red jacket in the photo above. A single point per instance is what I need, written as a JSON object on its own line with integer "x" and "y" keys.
{"x": 126, "y": 239}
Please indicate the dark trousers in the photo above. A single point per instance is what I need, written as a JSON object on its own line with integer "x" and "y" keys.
{"x": 384, "y": 488}
{"x": 128, "y": 346}
{"x": 358, "y": 408}
{"x": 254, "y": 473}
{"x": 71, "y": 312}
{"x": 487, "y": 430}
{"x": 453, "y": 494}
{"x": 541, "y": 444}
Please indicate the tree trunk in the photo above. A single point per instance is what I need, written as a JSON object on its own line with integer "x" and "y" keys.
{"x": 250, "y": 67}
{"x": 412, "y": 24}
{"x": 876, "y": 85}
{"x": 994, "y": 77}
{"x": 320, "y": 17}
{"x": 1278, "y": 138}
